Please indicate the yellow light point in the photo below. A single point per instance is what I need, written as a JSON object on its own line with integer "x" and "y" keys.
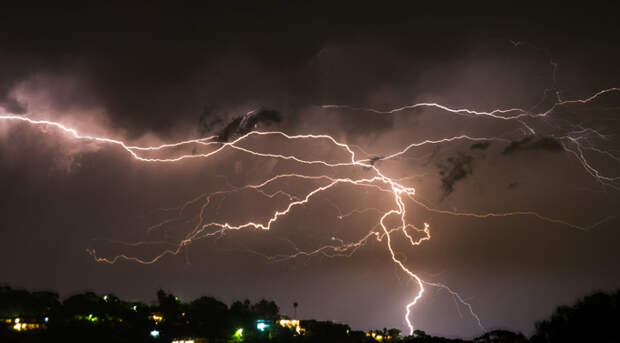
{"x": 157, "y": 318}
{"x": 291, "y": 324}
{"x": 19, "y": 325}
{"x": 379, "y": 181}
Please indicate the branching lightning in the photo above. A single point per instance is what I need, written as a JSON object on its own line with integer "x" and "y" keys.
{"x": 575, "y": 141}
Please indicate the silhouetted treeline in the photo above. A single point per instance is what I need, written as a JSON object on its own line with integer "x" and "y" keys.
{"x": 88, "y": 317}
{"x": 595, "y": 318}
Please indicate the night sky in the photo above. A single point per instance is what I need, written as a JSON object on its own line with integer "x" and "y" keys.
{"x": 151, "y": 76}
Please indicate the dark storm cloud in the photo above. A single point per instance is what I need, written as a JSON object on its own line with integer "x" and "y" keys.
{"x": 368, "y": 124}
{"x": 153, "y": 68}
{"x": 150, "y": 69}
{"x": 453, "y": 170}
{"x": 208, "y": 121}
{"x": 534, "y": 143}
{"x": 375, "y": 159}
{"x": 12, "y": 106}
{"x": 12, "y": 72}
{"x": 480, "y": 146}
{"x": 248, "y": 122}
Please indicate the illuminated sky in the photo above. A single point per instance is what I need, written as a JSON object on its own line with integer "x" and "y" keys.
{"x": 507, "y": 120}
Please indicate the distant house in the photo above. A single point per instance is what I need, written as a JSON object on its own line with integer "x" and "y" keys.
{"x": 190, "y": 340}
{"x": 156, "y": 317}
{"x": 20, "y": 324}
{"x": 378, "y": 335}
{"x": 292, "y": 324}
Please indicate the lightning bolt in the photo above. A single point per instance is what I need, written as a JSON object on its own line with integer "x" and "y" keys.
{"x": 576, "y": 141}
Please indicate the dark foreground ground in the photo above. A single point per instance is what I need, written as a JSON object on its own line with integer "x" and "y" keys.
{"x": 41, "y": 317}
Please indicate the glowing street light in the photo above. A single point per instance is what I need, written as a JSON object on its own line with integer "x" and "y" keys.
{"x": 238, "y": 334}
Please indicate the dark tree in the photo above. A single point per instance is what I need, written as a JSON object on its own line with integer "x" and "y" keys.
{"x": 18, "y": 302}
{"x": 501, "y": 336}
{"x": 265, "y": 309}
{"x": 595, "y": 318}
{"x": 169, "y": 306}
{"x": 209, "y": 318}
{"x": 241, "y": 314}
{"x": 394, "y": 333}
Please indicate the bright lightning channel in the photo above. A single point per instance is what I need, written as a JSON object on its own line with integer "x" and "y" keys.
{"x": 379, "y": 182}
